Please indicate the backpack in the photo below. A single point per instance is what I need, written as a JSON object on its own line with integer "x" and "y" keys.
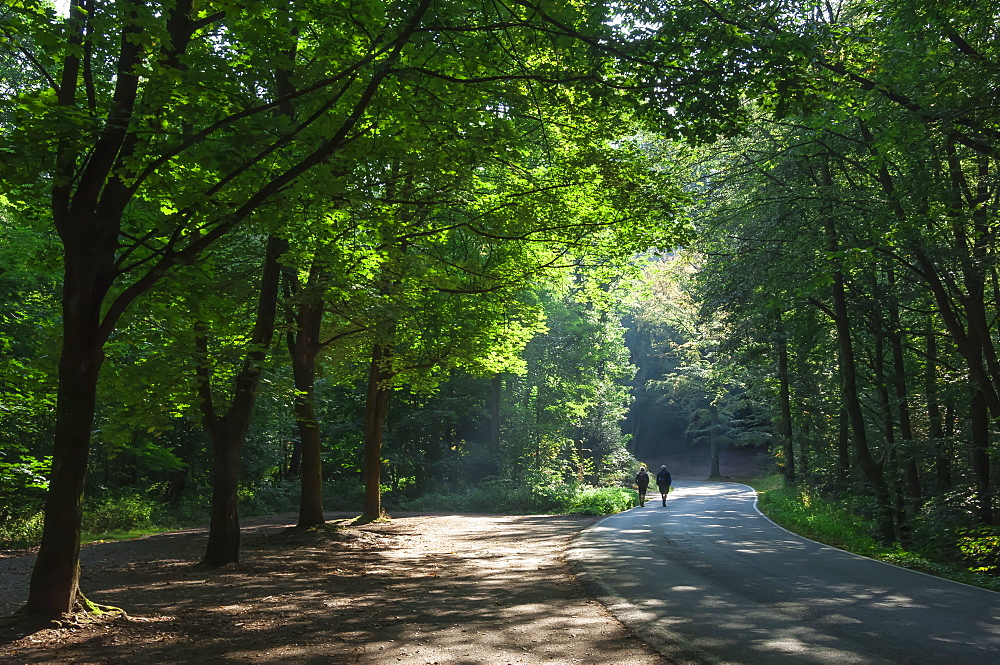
{"x": 642, "y": 478}
{"x": 663, "y": 477}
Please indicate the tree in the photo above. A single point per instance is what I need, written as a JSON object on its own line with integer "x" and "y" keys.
{"x": 146, "y": 166}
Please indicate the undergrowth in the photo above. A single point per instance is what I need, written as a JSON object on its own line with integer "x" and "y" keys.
{"x": 123, "y": 515}
{"x": 804, "y": 511}
{"x": 126, "y": 514}
{"x": 527, "y": 497}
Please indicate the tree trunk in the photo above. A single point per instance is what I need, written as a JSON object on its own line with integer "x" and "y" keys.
{"x": 785, "y": 406}
{"x": 224, "y": 530}
{"x": 805, "y": 461}
{"x": 294, "y": 460}
{"x": 882, "y": 390}
{"x": 980, "y": 435}
{"x": 713, "y": 438}
{"x": 911, "y": 470}
{"x": 493, "y": 446}
{"x": 376, "y": 408}
{"x": 55, "y": 578}
{"x": 88, "y": 220}
{"x": 935, "y": 422}
{"x": 844, "y": 446}
{"x": 496, "y": 392}
{"x": 229, "y": 432}
{"x": 311, "y": 446}
{"x": 852, "y": 403}
{"x": 303, "y": 347}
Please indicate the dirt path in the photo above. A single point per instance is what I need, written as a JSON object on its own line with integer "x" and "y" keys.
{"x": 446, "y": 589}
{"x": 419, "y": 589}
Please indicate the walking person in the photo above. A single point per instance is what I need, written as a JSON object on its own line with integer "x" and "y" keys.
{"x": 663, "y": 481}
{"x": 642, "y": 482}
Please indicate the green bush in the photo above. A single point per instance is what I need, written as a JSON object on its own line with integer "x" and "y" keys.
{"x": 981, "y": 548}
{"x": 22, "y": 488}
{"x": 21, "y": 531}
{"x": 344, "y": 494}
{"x": 537, "y": 495}
{"x": 118, "y": 512}
{"x": 269, "y": 497}
{"x": 602, "y": 500}
{"x": 191, "y": 510}
{"x": 942, "y": 523}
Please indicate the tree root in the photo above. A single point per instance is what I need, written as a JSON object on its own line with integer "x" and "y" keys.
{"x": 85, "y": 612}
{"x": 361, "y": 519}
{"x": 89, "y": 607}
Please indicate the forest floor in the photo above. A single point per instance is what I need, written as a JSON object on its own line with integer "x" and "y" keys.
{"x": 418, "y": 589}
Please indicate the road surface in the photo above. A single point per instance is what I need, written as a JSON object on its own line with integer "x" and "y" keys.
{"x": 707, "y": 579}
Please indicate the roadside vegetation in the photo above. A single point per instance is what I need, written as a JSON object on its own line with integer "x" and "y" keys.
{"x": 968, "y": 555}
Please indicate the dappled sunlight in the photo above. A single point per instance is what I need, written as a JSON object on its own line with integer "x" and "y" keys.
{"x": 713, "y": 576}
{"x": 395, "y": 597}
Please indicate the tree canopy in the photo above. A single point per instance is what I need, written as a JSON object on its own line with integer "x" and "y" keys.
{"x": 234, "y": 233}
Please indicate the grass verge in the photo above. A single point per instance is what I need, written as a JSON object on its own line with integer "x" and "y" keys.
{"x": 805, "y": 512}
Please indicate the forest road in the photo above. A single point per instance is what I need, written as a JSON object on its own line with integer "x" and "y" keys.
{"x": 708, "y": 579}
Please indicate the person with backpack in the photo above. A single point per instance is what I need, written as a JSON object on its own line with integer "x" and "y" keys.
{"x": 642, "y": 481}
{"x": 663, "y": 481}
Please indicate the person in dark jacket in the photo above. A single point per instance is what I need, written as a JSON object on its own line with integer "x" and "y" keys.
{"x": 663, "y": 481}
{"x": 642, "y": 482}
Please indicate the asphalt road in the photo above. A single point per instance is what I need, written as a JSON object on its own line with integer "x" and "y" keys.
{"x": 708, "y": 579}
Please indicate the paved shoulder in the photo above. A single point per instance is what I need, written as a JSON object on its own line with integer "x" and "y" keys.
{"x": 707, "y": 579}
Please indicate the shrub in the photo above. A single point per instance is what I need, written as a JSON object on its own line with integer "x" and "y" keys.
{"x": 190, "y": 510}
{"x": 21, "y": 531}
{"x": 943, "y": 520}
{"x": 981, "y": 547}
{"x": 538, "y": 494}
{"x": 276, "y": 496}
{"x": 118, "y": 512}
{"x": 602, "y": 500}
{"x": 22, "y": 488}
{"x": 344, "y": 493}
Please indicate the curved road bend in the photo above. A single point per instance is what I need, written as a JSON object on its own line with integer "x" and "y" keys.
{"x": 709, "y": 580}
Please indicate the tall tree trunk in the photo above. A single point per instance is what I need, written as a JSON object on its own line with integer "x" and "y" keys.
{"x": 908, "y": 460}
{"x": 496, "y": 394}
{"x": 852, "y": 404}
{"x": 376, "y": 408}
{"x": 713, "y": 439}
{"x": 979, "y": 431}
{"x": 55, "y": 578}
{"x": 224, "y": 530}
{"x": 228, "y": 432}
{"x": 88, "y": 220}
{"x": 882, "y": 390}
{"x": 844, "y": 446}
{"x": 784, "y": 429}
{"x": 310, "y": 443}
{"x": 294, "y": 460}
{"x": 303, "y": 347}
{"x": 805, "y": 461}
{"x": 935, "y": 422}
